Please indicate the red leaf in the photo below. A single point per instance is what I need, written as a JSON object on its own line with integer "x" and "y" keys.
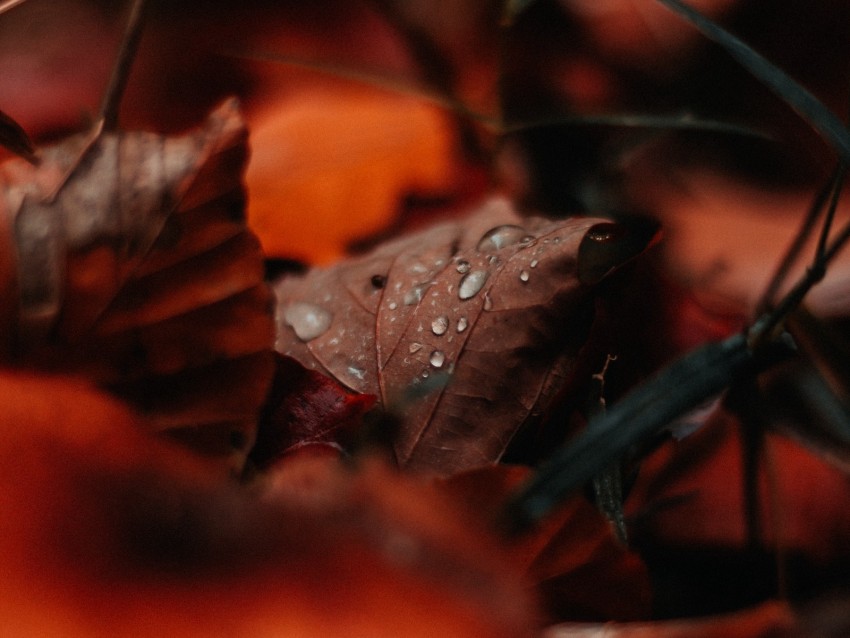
{"x": 108, "y": 530}
{"x": 306, "y": 408}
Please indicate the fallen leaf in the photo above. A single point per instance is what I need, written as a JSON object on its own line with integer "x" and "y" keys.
{"x": 471, "y": 326}
{"x": 128, "y": 260}
{"x": 332, "y": 167}
{"x": 306, "y": 408}
{"x": 118, "y": 532}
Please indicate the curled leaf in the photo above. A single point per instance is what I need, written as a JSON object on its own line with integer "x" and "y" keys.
{"x": 491, "y": 303}
{"x": 306, "y": 408}
{"x": 127, "y": 258}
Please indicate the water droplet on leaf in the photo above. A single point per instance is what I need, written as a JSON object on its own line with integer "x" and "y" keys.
{"x": 414, "y": 347}
{"x": 307, "y": 320}
{"x": 437, "y": 359}
{"x": 523, "y": 276}
{"x": 501, "y": 236}
{"x": 462, "y": 324}
{"x": 472, "y": 283}
{"x": 415, "y": 294}
{"x": 440, "y": 325}
{"x": 463, "y": 266}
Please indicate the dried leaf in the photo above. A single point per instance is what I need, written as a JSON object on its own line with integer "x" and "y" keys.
{"x": 129, "y": 261}
{"x": 491, "y": 303}
{"x": 306, "y": 408}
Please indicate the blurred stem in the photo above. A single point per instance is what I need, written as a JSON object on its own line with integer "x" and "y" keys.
{"x": 111, "y": 103}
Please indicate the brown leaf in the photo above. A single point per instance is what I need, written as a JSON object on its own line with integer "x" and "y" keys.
{"x": 490, "y": 306}
{"x": 132, "y": 264}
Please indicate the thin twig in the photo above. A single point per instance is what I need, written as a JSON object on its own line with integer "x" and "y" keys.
{"x": 121, "y": 71}
{"x": 796, "y": 248}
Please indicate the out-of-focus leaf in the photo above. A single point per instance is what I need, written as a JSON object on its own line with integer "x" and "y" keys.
{"x": 14, "y": 138}
{"x": 322, "y": 152}
{"x": 117, "y": 532}
{"x": 306, "y": 408}
{"x": 492, "y": 300}
{"x": 133, "y": 265}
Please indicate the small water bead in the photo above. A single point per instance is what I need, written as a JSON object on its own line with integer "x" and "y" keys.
{"x": 414, "y": 347}
{"x": 534, "y": 263}
{"x": 462, "y": 324}
{"x": 472, "y": 283}
{"x": 501, "y": 236}
{"x": 357, "y": 372}
{"x": 415, "y": 294}
{"x": 437, "y": 359}
{"x": 523, "y": 276}
{"x": 488, "y": 303}
{"x": 392, "y": 305}
{"x": 440, "y": 325}
{"x": 463, "y": 266}
{"x": 307, "y": 320}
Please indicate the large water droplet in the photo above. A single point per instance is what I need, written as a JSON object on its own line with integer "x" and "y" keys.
{"x": 472, "y": 283}
{"x": 462, "y": 324}
{"x": 415, "y": 294}
{"x": 501, "y": 236}
{"x": 523, "y": 276}
{"x": 437, "y": 359}
{"x": 307, "y": 320}
{"x": 440, "y": 325}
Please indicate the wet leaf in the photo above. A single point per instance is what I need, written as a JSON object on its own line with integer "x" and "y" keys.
{"x": 491, "y": 304}
{"x": 127, "y": 259}
{"x": 306, "y": 408}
